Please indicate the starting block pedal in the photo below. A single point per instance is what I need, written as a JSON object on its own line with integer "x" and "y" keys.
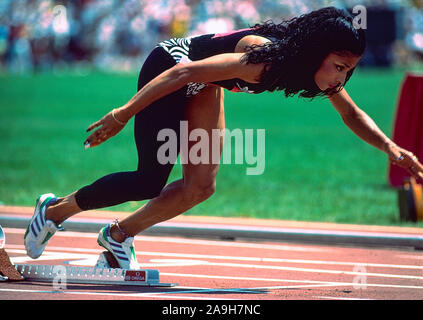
{"x": 106, "y": 260}
{"x": 7, "y": 271}
{"x": 91, "y": 275}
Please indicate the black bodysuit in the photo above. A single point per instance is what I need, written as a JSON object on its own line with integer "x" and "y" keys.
{"x": 166, "y": 113}
{"x": 201, "y": 47}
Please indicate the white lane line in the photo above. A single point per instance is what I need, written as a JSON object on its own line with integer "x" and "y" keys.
{"x": 302, "y": 269}
{"x": 409, "y": 256}
{"x": 239, "y": 258}
{"x": 55, "y": 248}
{"x": 124, "y": 295}
{"x": 190, "y": 241}
{"x": 341, "y": 298}
{"x": 90, "y": 259}
{"x": 329, "y": 283}
{"x": 48, "y": 255}
{"x": 144, "y": 295}
{"x": 246, "y": 278}
{"x": 80, "y": 259}
{"x": 233, "y": 290}
{"x": 259, "y": 259}
{"x": 208, "y": 290}
{"x": 29, "y": 290}
{"x": 352, "y": 273}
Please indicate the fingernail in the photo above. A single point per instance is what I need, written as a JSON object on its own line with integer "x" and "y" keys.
{"x": 87, "y": 145}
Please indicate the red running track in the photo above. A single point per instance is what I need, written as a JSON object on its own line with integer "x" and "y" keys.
{"x": 206, "y": 269}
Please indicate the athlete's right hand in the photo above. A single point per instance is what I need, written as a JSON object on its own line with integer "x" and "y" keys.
{"x": 407, "y": 160}
{"x": 110, "y": 125}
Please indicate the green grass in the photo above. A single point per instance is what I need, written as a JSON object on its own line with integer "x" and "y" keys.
{"x": 316, "y": 169}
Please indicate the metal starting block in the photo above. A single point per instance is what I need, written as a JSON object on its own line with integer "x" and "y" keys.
{"x": 91, "y": 275}
{"x": 106, "y": 271}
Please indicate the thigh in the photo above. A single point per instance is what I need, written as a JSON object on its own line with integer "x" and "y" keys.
{"x": 165, "y": 113}
{"x": 206, "y": 121}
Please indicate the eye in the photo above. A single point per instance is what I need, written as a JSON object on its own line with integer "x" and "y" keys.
{"x": 339, "y": 68}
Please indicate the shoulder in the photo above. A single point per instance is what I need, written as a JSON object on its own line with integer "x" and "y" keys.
{"x": 249, "y": 41}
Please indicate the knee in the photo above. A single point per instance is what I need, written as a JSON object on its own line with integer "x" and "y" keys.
{"x": 152, "y": 192}
{"x": 197, "y": 192}
{"x": 147, "y": 187}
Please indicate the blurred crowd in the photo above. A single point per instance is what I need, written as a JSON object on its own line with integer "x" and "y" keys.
{"x": 46, "y": 35}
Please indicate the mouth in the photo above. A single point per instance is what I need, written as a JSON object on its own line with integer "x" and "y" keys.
{"x": 332, "y": 86}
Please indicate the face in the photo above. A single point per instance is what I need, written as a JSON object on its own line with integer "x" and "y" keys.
{"x": 334, "y": 69}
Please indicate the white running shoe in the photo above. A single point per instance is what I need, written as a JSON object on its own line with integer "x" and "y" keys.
{"x": 123, "y": 252}
{"x": 39, "y": 230}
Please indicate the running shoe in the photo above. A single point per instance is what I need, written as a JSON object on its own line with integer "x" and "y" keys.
{"x": 40, "y": 230}
{"x": 123, "y": 252}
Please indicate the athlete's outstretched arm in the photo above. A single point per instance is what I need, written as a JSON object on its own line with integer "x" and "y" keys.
{"x": 366, "y": 129}
{"x": 215, "y": 68}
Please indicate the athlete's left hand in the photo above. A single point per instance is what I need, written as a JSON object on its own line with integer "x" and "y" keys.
{"x": 407, "y": 160}
{"x": 110, "y": 125}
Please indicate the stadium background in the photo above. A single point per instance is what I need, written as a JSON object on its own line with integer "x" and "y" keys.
{"x": 40, "y": 35}
{"x": 63, "y": 64}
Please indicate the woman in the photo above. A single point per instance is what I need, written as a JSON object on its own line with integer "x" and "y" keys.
{"x": 183, "y": 79}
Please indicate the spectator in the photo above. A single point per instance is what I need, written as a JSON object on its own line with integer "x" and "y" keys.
{"x": 37, "y": 35}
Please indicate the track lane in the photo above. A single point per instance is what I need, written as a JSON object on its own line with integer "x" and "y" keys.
{"x": 209, "y": 269}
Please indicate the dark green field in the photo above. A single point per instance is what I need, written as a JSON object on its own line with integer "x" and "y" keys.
{"x": 316, "y": 169}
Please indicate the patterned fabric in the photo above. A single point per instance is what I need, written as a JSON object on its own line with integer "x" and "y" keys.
{"x": 194, "y": 88}
{"x": 178, "y": 48}
{"x": 200, "y": 47}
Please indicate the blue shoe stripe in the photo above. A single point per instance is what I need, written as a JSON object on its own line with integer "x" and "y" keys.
{"x": 119, "y": 252}
{"x": 117, "y": 245}
{"x": 40, "y": 220}
{"x": 114, "y": 247}
{"x": 50, "y": 203}
{"x": 122, "y": 257}
{"x": 33, "y": 230}
{"x": 37, "y": 226}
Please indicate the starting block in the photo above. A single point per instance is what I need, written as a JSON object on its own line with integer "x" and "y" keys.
{"x": 106, "y": 271}
{"x": 91, "y": 275}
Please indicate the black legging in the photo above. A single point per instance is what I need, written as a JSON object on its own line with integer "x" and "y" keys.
{"x": 151, "y": 176}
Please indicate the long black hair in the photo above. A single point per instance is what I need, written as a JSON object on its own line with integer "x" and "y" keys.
{"x": 299, "y": 47}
